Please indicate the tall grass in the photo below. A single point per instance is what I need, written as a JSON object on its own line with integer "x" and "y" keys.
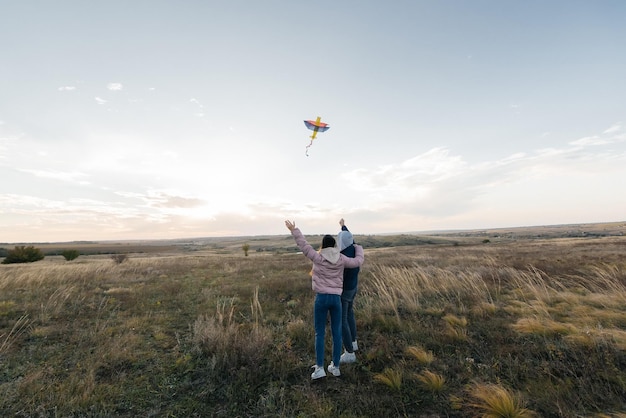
{"x": 399, "y": 289}
{"x": 19, "y": 328}
{"x": 478, "y": 328}
{"x": 572, "y": 313}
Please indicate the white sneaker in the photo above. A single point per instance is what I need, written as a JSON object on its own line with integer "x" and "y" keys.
{"x": 319, "y": 372}
{"x": 334, "y": 370}
{"x": 347, "y": 358}
{"x": 355, "y": 346}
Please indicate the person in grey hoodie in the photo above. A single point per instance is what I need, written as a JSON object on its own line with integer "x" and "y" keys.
{"x": 327, "y": 283}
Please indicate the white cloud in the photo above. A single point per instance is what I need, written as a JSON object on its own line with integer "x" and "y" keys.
{"x": 115, "y": 86}
{"x": 590, "y": 140}
{"x": 67, "y": 88}
{"x": 613, "y": 129}
{"x": 73, "y": 176}
{"x": 163, "y": 199}
{"x": 200, "y": 112}
{"x": 100, "y": 100}
{"x": 437, "y": 185}
{"x": 12, "y": 202}
{"x": 408, "y": 177}
{"x": 611, "y": 135}
{"x": 148, "y": 190}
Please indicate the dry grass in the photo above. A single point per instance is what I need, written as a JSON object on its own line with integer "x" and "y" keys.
{"x": 19, "y": 328}
{"x": 583, "y": 308}
{"x": 411, "y": 289}
{"x": 432, "y": 382}
{"x": 545, "y": 327}
{"x": 493, "y": 401}
{"x": 422, "y": 356}
{"x": 389, "y": 377}
{"x": 201, "y": 334}
{"x": 456, "y": 327}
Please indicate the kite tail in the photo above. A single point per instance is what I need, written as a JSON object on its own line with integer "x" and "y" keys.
{"x": 307, "y": 148}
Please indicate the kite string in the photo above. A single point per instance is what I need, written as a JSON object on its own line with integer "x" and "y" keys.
{"x": 307, "y": 148}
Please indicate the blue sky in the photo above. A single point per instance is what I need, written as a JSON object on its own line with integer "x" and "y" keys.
{"x": 168, "y": 119}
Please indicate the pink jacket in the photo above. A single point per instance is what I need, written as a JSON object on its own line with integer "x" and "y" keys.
{"x": 328, "y": 265}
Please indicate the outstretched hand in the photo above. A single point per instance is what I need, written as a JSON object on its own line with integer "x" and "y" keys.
{"x": 290, "y": 225}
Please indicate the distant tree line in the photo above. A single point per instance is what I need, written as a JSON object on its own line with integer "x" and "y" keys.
{"x": 23, "y": 254}
{"x": 30, "y": 254}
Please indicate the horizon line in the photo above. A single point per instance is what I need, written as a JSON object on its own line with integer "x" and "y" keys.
{"x": 434, "y": 231}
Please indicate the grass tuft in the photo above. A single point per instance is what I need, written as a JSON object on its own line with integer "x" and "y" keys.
{"x": 432, "y": 382}
{"x": 389, "y": 377}
{"x": 493, "y": 401}
{"x": 421, "y": 355}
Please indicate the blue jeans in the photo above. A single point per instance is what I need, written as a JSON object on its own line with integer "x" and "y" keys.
{"x": 325, "y": 304}
{"x": 348, "y": 323}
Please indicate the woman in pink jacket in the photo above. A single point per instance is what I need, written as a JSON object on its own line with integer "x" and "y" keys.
{"x": 327, "y": 283}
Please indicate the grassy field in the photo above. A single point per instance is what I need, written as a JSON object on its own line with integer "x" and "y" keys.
{"x": 501, "y": 323}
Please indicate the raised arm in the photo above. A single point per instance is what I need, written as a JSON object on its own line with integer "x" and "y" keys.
{"x": 306, "y": 248}
{"x": 357, "y": 260}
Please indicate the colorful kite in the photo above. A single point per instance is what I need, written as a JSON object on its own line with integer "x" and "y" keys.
{"x": 316, "y": 126}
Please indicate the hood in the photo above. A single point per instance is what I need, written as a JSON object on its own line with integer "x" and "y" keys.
{"x": 344, "y": 240}
{"x": 330, "y": 254}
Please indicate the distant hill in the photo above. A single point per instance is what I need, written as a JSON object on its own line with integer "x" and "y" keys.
{"x": 284, "y": 243}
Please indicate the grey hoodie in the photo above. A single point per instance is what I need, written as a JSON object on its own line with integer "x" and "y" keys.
{"x": 345, "y": 239}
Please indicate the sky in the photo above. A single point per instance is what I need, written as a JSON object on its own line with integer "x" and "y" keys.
{"x": 154, "y": 119}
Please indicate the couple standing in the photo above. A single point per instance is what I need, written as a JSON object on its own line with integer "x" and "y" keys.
{"x": 334, "y": 281}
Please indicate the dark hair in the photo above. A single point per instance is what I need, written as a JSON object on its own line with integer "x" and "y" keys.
{"x": 328, "y": 241}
